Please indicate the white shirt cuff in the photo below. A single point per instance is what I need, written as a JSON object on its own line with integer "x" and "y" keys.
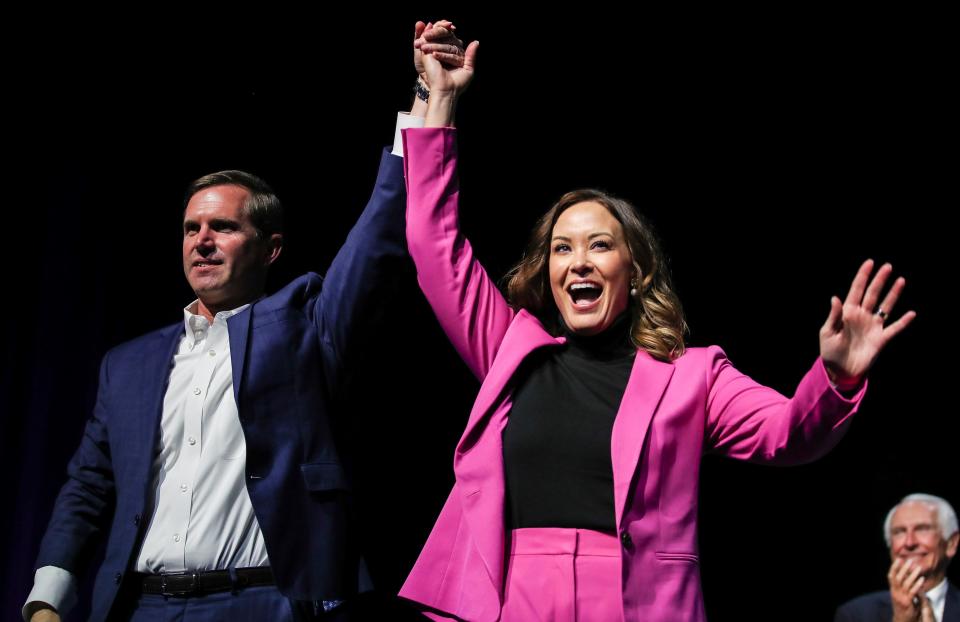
{"x": 404, "y": 120}
{"x": 52, "y": 586}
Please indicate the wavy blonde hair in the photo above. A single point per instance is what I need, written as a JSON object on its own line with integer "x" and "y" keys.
{"x": 657, "y": 324}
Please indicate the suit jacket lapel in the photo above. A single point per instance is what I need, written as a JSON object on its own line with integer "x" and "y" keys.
{"x": 238, "y": 329}
{"x": 524, "y": 335}
{"x": 478, "y": 463}
{"x": 154, "y": 375}
{"x": 648, "y": 380}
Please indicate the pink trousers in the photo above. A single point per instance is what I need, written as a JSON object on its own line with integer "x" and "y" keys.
{"x": 562, "y": 575}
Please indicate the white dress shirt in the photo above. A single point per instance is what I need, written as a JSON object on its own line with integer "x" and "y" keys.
{"x": 201, "y": 517}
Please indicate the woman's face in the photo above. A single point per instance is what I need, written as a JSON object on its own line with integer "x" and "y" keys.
{"x": 590, "y": 267}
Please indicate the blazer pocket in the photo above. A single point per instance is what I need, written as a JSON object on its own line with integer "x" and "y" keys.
{"x": 688, "y": 558}
{"x": 321, "y": 476}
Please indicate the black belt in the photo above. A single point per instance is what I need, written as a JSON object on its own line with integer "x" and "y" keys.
{"x": 204, "y": 581}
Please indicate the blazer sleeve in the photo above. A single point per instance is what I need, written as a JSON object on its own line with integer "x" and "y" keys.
{"x": 749, "y": 421}
{"x": 472, "y": 311}
{"x": 84, "y": 507}
{"x": 365, "y": 268}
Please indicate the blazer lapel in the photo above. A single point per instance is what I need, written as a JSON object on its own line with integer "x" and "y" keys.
{"x": 154, "y": 375}
{"x": 238, "y": 329}
{"x": 648, "y": 380}
{"x": 524, "y": 335}
{"x": 478, "y": 463}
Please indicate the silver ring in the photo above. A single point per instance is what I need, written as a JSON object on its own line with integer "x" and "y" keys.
{"x": 882, "y": 314}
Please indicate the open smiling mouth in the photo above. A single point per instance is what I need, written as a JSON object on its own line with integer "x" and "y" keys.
{"x": 584, "y": 294}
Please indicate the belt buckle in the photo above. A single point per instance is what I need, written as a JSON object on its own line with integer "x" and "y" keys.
{"x": 192, "y": 588}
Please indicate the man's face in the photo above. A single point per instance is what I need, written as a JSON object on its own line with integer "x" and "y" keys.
{"x": 915, "y": 535}
{"x": 224, "y": 260}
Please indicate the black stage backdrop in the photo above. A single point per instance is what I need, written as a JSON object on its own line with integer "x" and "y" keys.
{"x": 772, "y": 157}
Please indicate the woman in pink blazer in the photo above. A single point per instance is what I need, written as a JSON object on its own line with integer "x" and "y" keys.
{"x": 594, "y": 317}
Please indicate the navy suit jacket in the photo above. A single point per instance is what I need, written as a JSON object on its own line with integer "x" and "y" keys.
{"x": 289, "y": 352}
{"x": 875, "y": 607}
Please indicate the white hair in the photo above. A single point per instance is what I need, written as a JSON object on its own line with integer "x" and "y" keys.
{"x": 946, "y": 517}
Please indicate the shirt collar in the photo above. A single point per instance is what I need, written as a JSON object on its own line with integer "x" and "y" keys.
{"x": 196, "y": 325}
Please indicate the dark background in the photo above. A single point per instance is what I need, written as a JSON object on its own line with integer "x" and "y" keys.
{"x": 772, "y": 152}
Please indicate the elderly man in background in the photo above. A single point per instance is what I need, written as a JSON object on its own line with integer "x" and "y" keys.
{"x": 921, "y": 532}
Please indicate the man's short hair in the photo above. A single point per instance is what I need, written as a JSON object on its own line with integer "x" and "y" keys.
{"x": 262, "y": 206}
{"x": 946, "y": 517}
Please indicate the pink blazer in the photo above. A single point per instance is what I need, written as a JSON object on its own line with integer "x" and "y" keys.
{"x": 670, "y": 414}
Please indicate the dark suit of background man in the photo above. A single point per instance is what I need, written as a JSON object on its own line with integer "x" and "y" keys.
{"x": 921, "y": 532}
{"x": 211, "y": 460}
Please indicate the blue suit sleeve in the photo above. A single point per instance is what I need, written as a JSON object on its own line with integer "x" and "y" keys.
{"x": 365, "y": 269}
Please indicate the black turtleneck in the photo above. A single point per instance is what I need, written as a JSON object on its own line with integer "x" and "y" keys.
{"x": 556, "y": 445}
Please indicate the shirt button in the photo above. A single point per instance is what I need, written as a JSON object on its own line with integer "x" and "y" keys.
{"x": 183, "y": 488}
{"x": 191, "y": 440}
{"x": 176, "y": 537}
{"x": 136, "y": 520}
{"x": 196, "y": 390}
{"x": 117, "y": 578}
{"x": 212, "y": 352}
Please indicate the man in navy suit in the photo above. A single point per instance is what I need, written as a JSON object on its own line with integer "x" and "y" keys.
{"x": 213, "y": 459}
{"x": 921, "y": 532}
